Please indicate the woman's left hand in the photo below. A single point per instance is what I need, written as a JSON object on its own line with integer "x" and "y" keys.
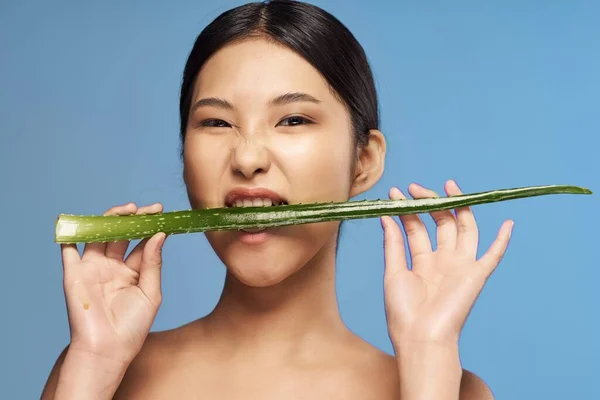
{"x": 429, "y": 303}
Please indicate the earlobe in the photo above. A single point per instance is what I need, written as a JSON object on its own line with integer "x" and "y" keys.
{"x": 370, "y": 163}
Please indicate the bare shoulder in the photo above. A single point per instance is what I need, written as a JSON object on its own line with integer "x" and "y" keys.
{"x": 372, "y": 372}
{"x": 472, "y": 387}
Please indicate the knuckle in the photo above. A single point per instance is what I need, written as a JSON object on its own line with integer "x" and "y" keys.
{"x": 444, "y": 220}
{"x": 148, "y": 209}
{"x": 412, "y": 229}
{"x": 465, "y": 227}
{"x": 120, "y": 209}
{"x": 154, "y": 208}
{"x": 495, "y": 256}
{"x": 155, "y": 260}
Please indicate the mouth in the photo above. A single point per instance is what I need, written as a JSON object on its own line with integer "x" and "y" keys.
{"x": 254, "y": 197}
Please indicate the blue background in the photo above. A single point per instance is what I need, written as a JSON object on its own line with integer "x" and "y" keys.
{"x": 492, "y": 94}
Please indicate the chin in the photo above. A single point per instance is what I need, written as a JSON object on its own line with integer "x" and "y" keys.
{"x": 260, "y": 274}
{"x": 269, "y": 258}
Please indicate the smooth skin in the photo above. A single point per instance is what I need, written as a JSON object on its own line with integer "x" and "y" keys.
{"x": 276, "y": 331}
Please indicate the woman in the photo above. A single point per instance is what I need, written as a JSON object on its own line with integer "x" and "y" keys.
{"x": 278, "y": 105}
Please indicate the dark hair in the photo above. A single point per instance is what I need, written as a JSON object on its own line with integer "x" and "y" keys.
{"x": 314, "y": 34}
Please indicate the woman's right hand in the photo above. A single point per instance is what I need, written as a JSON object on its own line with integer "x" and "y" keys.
{"x": 111, "y": 300}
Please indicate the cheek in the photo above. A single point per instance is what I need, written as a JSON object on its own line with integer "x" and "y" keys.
{"x": 317, "y": 167}
{"x": 203, "y": 171}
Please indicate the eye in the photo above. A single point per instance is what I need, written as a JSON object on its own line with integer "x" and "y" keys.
{"x": 215, "y": 123}
{"x": 293, "y": 121}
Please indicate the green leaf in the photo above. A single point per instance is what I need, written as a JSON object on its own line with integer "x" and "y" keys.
{"x": 95, "y": 228}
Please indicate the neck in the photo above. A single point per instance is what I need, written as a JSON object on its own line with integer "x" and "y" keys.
{"x": 299, "y": 311}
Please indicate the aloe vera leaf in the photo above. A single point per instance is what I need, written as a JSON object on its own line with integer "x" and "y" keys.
{"x": 95, "y": 228}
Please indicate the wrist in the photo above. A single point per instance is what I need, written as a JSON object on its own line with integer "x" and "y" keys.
{"x": 85, "y": 375}
{"x": 98, "y": 361}
{"x": 103, "y": 364}
{"x": 429, "y": 370}
{"x": 425, "y": 344}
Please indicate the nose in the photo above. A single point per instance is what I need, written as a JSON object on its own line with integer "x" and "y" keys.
{"x": 250, "y": 157}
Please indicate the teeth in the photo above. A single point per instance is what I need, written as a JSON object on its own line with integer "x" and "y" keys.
{"x": 257, "y": 202}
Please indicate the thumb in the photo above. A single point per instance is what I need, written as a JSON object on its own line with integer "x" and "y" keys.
{"x": 150, "y": 268}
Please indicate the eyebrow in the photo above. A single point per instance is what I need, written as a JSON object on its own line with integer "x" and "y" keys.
{"x": 288, "y": 98}
{"x": 213, "y": 102}
{"x": 283, "y": 99}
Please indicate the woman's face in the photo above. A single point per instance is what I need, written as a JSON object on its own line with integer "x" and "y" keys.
{"x": 265, "y": 126}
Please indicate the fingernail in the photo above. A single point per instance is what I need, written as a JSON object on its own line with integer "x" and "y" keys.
{"x": 396, "y": 194}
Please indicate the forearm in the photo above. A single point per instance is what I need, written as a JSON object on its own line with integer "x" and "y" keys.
{"x": 428, "y": 371}
{"x": 84, "y": 376}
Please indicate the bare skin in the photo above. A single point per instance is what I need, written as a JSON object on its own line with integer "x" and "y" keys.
{"x": 179, "y": 364}
{"x": 276, "y": 331}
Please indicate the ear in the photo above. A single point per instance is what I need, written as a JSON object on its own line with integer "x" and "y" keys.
{"x": 370, "y": 163}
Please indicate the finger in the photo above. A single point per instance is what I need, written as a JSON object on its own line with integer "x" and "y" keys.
{"x": 468, "y": 233}
{"x": 117, "y": 249}
{"x": 95, "y": 249}
{"x": 444, "y": 220}
{"x": 134, "y": 259}
{"x": 150, "y": 269}
{"x": 98, "y": 249}
{"x": 416, "y": 233}
{"x": 490, "y": 260}
{"x": 70, "y": 256}
{"x": 393, "y": 242}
